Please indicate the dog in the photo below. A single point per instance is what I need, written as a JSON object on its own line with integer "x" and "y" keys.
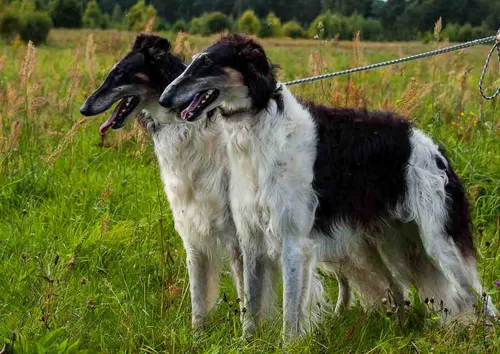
{"x": 191, "y": 159}
{"x": 385, "y": 206}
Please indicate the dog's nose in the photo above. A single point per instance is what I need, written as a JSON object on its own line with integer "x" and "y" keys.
{"x": 86, "y": 110}
{"x": 167, "y": 97}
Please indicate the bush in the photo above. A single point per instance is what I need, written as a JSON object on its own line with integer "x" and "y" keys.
{"x": 271, "y": 26}
{"x": 372, "y": 30}
{"x": 93, "y": 16}
{"x": 139, "y": 15}
{"x": 66, "y": 13}
{"x": 10, "y": 25}
{"x": 195, "y": 25}
{"x": 163, "y": 25}
{"x": 319, "y": 28}
{"x": 215, "y": 22}
{"x": 249, "y": 23}
{"x": 35, "y": 27}
{"x": 451, "y": 32}
{"x": 293, "y": 30}
{"x": 465, "y": 33}
{"x": 180, "y": 25}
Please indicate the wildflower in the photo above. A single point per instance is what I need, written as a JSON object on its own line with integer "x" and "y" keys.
{"x": 497, "y": 283}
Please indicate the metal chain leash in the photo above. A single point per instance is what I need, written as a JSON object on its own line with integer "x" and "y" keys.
{"x": 431, "y": 53}
{"x": 483, "y": 73}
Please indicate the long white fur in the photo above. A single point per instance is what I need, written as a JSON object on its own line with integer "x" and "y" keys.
{"x": 192, "y": 159}
{"x": 273, "y": 203}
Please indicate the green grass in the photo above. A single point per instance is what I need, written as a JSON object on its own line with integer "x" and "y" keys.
{"x": 89, "y": 259}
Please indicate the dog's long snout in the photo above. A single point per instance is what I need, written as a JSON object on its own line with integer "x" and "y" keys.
{"x": 167, "y": 97}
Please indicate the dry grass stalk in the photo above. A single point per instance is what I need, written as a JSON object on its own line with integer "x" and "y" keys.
{"x": 437, "y": 29}
{"x": 28, "y": 79}
{"x": 150, "y": 24}
{"x": 140, "y": 137}
{"x": 357, "y": 50}
{"x": 14, "y": 101}
{"x": 75, "y": 79}
{"x": 411, "y": 97}
{"x": 14, "y": 136}
{"x": 106, "y": 193}
{"x": 461, "y": 97}
{"x": 90, "y": 60}
{"x": 29, "y": 64}
{"x": 3, "y": 60}
{"x": 179, "y": 41}
{"x": 49, "y": 161}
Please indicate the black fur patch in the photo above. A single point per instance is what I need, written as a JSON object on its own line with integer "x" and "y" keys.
{"x": 459, "y": 223}
{"x": 245, "y": 55}
{"x": 360, "y": 169}
{"x": 159, "y": 63}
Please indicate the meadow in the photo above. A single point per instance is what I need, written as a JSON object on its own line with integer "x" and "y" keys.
{"x": 89, "y": 258}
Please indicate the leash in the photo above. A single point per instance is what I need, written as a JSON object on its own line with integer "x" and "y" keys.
{"x": 496, "y": 46}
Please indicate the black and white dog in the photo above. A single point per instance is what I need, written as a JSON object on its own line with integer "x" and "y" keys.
{"x": 191, "y": 157}
{"x": 378, "y": 197}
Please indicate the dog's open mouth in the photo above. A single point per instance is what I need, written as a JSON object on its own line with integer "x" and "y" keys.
{"x": 200, "y": 101}
{"x": 121, "y": 112}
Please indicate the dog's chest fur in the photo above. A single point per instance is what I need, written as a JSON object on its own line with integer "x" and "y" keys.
{"x": 192, "y": 160}
{"x": 271, "y": 157}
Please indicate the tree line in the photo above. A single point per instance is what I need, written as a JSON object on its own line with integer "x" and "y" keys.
{"x": 375, "y": 19}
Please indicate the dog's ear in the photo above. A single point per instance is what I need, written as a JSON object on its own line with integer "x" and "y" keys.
{"x": 152, "y": 45}
{"x": 140, "y": 41}
{"x": 260, "y": 76}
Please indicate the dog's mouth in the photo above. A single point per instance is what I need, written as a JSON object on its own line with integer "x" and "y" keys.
{"x": 198, "y": 104}
{"x": 117, "y": 119}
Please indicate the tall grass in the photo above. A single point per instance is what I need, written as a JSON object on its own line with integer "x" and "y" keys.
{"x": 89, "y": 258}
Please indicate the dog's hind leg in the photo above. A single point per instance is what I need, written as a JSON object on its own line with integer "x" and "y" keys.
{"x": 312, "y": 300}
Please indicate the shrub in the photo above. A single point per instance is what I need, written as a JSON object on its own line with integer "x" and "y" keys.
{"x": 93, "y": 16}
{"x": 293, "y": 30}
{"x": 320, "y": 26}
{"x": 10, "y": 25}
{"x": 66, "y": 13}
{"x": 271, "y": 26}
{"x": 465, "y": 33}
{"x": 139, "y": 15}
{"x": 180, "y": 25}
{"x": 249, "y": 23}
{"x": 196, "y": 25}
{"x": 451, "y": 32}
{"x": 117, "y": 16}
{"x": 163, "y": 25}
{"x": 372, "y": 30}
{"x": 35, "y": 27}
{"x": 215, "y": 22}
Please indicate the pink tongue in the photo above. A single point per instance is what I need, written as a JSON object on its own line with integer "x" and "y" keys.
{"x": 109, "y": 123}
{"x": 194, "y": 103}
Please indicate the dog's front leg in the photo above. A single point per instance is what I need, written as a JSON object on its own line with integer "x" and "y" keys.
{"x": 196, "y": 265}
{"x": 252, "y": 269}
{"x": 292, "y": 263}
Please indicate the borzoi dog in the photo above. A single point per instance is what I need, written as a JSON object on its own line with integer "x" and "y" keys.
{"x": 191, "y": 159}
{"x": 380, "y": 196}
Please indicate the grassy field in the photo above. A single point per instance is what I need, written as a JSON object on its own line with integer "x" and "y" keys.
{"x": 89, "y": 259}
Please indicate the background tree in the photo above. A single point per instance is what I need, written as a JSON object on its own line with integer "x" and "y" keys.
{"x": 271, "y": 26}
{"x": 293, "y": 29}
{"x": 66, "y": 13}
{"x": 93, "y": 16}
{"x": 139, "y": 15}
{"x": 249, "y": 23}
